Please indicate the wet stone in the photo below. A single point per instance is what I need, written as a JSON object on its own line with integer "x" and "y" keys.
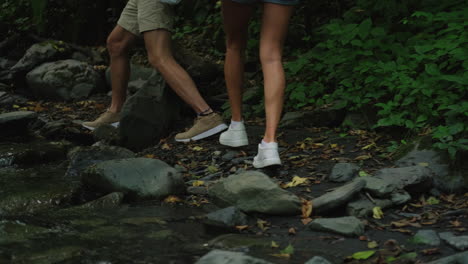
{"x": 112, "y": 200}
{"x": 228, "y": 217}
{"x": 378, "y": 187}
{"x": 230, "y": 155}
{"x": 337, "y": 197}
{"x": 460, "y": 258}
{"x": 401, "y": 197}
{"x": 18, "y": 232}
{"x": 55, "y": 255}
{"x": 197, "y": 190}
{"x": 363, "y": 207}
{"x": 253, "y": 191}
{"x": 343, "y": 172}
{"x": 16, "y": 123}
{"x": 347, "y": 226}
{"x": 426, "y": 237}
{"x": 318, "y": 260}
{"x": 413, "y": 179}
{"x": 457, "y": 242}
{"x": 221, "y": 256}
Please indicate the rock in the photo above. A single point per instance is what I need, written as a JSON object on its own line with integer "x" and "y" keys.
{"x": 38, "y": 54}
{"x": 140, "y": 77}
{"x": 106, "y": 133}
{"x": 378, "y": 187}
{"x": 16, "y": 123}
{"x": 6, "y": 64}
{"x": 457, "y": 242}
{"x": 416, "y": 179}
{"x": 363, "y": 206}
{"x": 140, "y": 177}
{"x": 148, "y": 116}
{"x": 220, "y": 256}
{"x": 83, "y": 157}
{"x": 446, "y": 179}
{"x": 460, "y": 258}
{"x": 112, "y": 200}
{"x": 326, "y": 117}
{"x": 18, "y": 232}
{"x": 255, "y": 192}
{"x": 426, "y": 237}
{"x": 400, "y": 197}
{"x": 64, "y": 80}
{"x": 337, "y": 197}
{"x": 230, "y": 155}
{"x": 8, "y": 100}
{"x": 347, "y": 226}
{"x": 229, "y": 217}
{"x": 32, "y": 153}
{"x": 343, "y": 172}
{"x": 318, "y": 260}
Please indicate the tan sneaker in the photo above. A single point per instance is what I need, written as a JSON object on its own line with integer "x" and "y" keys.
{"x": 203, "y": 127}
{"x": 107, "y": 117}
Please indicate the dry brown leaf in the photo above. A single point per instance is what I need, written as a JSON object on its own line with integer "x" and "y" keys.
{"x": 306, "y": 221}
{"x": 430, "y": 251}
{"x": 243, "y": 227}
{"x": 306, "y": 208}
{"x": 292, "y": 231}
{"x": 172, "y": 199}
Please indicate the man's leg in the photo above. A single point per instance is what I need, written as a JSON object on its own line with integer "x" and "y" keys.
{"x": 118, "y": 44}
{"x": 158, "y": 45}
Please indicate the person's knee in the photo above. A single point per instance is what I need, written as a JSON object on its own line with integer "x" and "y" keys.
{"x": 116, "y": 46}
{"x": 268, "y": 55}
{"x": 159, "y": 59}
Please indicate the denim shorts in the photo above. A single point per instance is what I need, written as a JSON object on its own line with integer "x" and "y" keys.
{"x": 280, "y": 2}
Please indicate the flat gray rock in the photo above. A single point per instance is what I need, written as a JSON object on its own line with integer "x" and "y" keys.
{"x": 457, "y": 242}
{"x": 337, "y": 197}
{"x": 343, "y": 172}
{"x": 16, "y": 123}
{"x": 255, "y": 192}
{"x": 460, "y": 258}
{"x": 426, "y": 237}
{"x": 347, "y": 226}
{"x": 318, "y": 260}
{"x": 413, "y": 179}
{"x": 227, "y": 217}
{"x": 378, "y": 187}
{"x": 140, "y": 177}
{"x": 363, "y": 206}
{"x": 227, "y": 257}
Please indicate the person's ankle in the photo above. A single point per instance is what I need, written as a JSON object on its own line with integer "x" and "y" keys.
{"x": 206, "y": 112}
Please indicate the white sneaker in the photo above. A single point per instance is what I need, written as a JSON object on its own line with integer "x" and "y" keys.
{"x": 267, "y": 156}
{"x": 234, "y": 137}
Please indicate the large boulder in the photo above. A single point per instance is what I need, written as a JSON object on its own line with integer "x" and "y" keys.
{"x": 16, "y": 123}
{"x": 347, "y": 226}
{"x": 64, "y": 80}
{"x": 338, "y": 197}
{"x": 140, "y": 77}
{"x": 343, "y": 172}
{"x": 148, "y": 116}
{"x": 413, "y": 179}
{"x": 255, "y": 192}
{"x": 137, "y": 177}
{"x": 39, "y": 53}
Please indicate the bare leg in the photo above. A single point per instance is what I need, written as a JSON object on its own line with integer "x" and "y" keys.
{"x": 158, "y": 45}
{"x": 118, "y": 44}
{"x": 236, "y": 20}
{"x": 274, "y": 29}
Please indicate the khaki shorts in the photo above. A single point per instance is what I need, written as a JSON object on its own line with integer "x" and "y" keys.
{"x": 139, "y": 16}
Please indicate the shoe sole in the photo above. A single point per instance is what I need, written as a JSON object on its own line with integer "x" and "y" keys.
{"x": 116, "y": 124}
{"x": 208, "y": 133}
{"x": 234, "y": 143}
{"x": 266, "y": 163}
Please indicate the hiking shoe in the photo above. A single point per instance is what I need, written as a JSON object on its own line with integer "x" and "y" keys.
{"x": 203, "y": 127}
{"x": 234, "y": 136}
{"x": 267, "y": 155}
{"x": 107, "y": 117}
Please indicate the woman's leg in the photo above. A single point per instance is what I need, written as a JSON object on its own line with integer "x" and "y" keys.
{"x": 236, "y": 20}
{"x": 274, "y": 29}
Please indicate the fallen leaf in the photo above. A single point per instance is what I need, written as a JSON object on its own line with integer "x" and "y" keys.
{"x": 212, "y": 169}
{"x": 456, "y": 223}
{"x": 288, "y": 250}
{"x": 262, "y": 224}
{"x": 150, "y": 156}
{"x": 172, "y": 199}
{"x": 281, "y": 255}
{"x": 377, "y": 212}
{"x": 274, "y": 245}
{"x": 363, "y": 174}
{"x": 198, "y": 183}
{"x": 404, "y": 231}
{"x": 363, "y": 254}
{"x": 243, "y": 227}
{"x": 295, "y": 182}
{"x": 363, "y": 238}
{"x": 363, "y": 157}
{"x": 306, "y": 208}
{"x": 372, "y": 244}
{"x": 432, "y": 201}
{"x": 431, "y": 251}
{"x": 166, "y": 146}
{"x": 292, "y": 231}
{"x": 197, "y": 148}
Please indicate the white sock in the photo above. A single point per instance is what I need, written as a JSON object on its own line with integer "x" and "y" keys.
{"x": 269, "y": 144}
{"x": 236, "y": 124}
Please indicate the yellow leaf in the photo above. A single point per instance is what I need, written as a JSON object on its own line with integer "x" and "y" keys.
{"x": 378, "y": 214}
{"x": 262, "y": 224}
{"x": 306, "y": 221}
{"x": 240, "y": 228}
{"x": 166, "y": 146}
{"x": 292, "y": 231}
{"x": 150, "y": 156}
{"x": 333, "y": 145}
{"x": 198, "y": 183}
{"x": 172, "y": 199}
{"x": 369, "y": 146}
{"x": 363, "y": 157}
{"x": 372, "y": 244}
{"x": 295, "y": 182}
{"x": 212, "y": 169}
{"x": 16, "y": 106}
{"x": 274, "y": 245}
{"x": 423, "y": 164}
{"x": 281, "y": 255}
{"x": 197, "y": 148}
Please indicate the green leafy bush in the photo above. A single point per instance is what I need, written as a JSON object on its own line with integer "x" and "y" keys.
{"x": 414, "y": 73}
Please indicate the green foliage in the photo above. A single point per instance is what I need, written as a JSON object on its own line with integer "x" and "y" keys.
{"x": 13, "y": 17}
{"x": 414, "y": 74}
